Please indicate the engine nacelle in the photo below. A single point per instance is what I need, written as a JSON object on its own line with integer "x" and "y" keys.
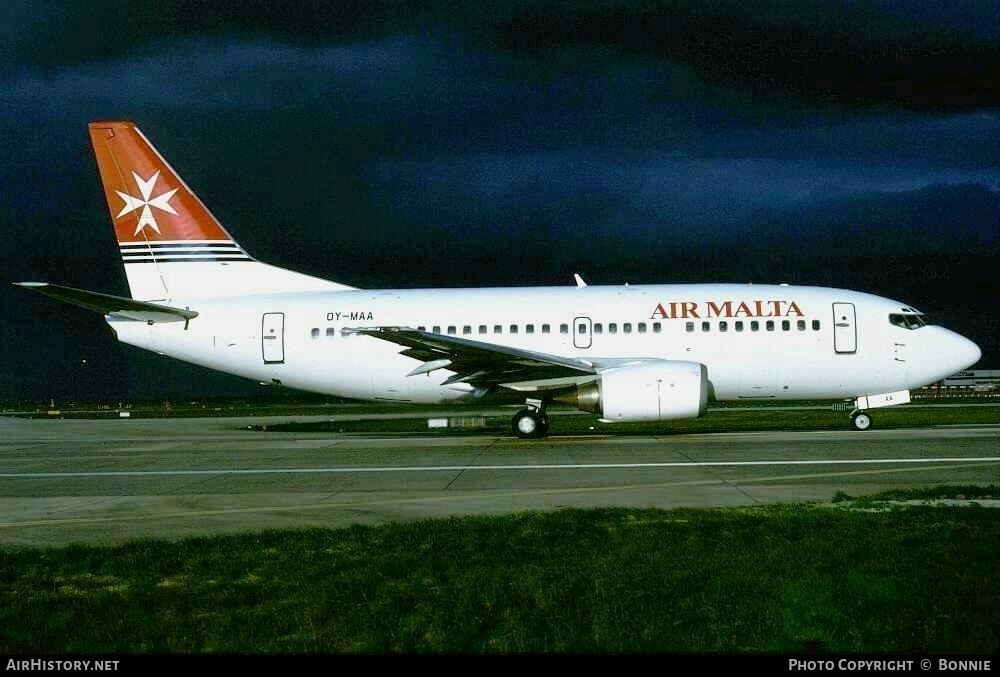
{"x": 657, "y": 390}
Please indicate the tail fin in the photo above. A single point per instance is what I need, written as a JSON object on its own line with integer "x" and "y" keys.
{"x": 170, "y": 243}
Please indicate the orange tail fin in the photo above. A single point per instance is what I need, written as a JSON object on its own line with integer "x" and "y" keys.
{"x": 149, "y": 202}
{"x": 170, "y": 243}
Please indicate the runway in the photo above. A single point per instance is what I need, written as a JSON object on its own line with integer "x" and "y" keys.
{"x": 90, "y": 481}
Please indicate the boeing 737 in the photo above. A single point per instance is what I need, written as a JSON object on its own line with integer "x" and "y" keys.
{"x": 626, "y": 353}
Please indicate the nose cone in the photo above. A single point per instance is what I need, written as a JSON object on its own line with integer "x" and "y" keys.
{"x": 939, "y": 354}
{"x": 964, "y": 352}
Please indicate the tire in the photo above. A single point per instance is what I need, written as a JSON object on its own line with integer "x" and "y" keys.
{"x": 862, "y": 420}
{"x": 528, "y": 424}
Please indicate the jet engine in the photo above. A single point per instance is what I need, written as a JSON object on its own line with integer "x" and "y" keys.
{"x": 656, "y": 390}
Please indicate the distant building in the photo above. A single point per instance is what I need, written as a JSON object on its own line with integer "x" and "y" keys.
{"x": 974, "y": 382}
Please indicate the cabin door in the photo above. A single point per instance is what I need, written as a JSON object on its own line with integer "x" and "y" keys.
{"x": 845, "y": 331}
{"x": 582, "y": 330}
{"x": 272, "y": 338}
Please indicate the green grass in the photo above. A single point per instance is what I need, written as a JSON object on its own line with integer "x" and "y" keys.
{"x": 761, "y": 418}
{"x": 769, "y": 579}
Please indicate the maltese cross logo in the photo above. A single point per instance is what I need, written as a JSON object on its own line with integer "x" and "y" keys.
{"x": 133, "y": 203}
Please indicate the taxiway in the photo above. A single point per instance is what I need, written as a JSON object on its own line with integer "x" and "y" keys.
{"x": 92, "y": 481}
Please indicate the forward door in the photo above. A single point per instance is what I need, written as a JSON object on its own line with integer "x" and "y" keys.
{"x": 845, "y": 331}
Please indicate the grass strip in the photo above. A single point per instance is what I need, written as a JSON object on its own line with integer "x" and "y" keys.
{"x": 764, "y": 579}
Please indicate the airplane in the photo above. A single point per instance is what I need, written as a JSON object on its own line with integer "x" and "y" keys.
{"x": 625, "y": 352}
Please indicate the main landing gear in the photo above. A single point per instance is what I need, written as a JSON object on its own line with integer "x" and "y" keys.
{"x": 531, "y": 422}
{"x": 861, "y": 420}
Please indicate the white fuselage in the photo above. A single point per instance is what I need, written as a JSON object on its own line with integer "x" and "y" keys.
{"x": 756, "y": 341}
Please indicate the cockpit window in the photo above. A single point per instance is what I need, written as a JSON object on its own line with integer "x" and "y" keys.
{"x": 908, "y": 320}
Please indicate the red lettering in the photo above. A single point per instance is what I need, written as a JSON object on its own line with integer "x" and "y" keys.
{"x": 792, "y": 308}
{"x": 660, "y": 313}
{"x": 744, "y": 309}
{"x": 689, "y": 309}
{"x": 725, "y": 311}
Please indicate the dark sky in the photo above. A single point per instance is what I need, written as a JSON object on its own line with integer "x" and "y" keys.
{"x": 409, "y": 144}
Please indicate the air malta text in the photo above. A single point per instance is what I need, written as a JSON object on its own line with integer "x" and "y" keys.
{"x": 676, "y": 310}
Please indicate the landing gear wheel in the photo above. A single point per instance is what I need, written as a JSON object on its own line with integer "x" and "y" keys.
{"x": 862, "y": 420}
{"x": 529, "y": 424}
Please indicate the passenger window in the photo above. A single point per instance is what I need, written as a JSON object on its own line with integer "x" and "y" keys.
{"x": 330, "y": 332}
{"x": 598, "y": 328}
{"x": 801, "y": 324}
{"x": 689, "y": 326}
{"x": 816, "y": 325}
{"x": 497, "y": 329}
{"x": 466, "y": 329}
{"x": 739, "y": 325}
{"x": 563, "y": 328}
{"x": 723, "y": 326}
{"x": 657, "y": 327}
{"x": 754, "y": 325}
{"x": 436, "y": 329}
{"x": 642, "y": 327}
{"x": 612, "y": 328}
{"x": 785, "y": 325}
{"x": 545, "y": 328}
{"x": 451, "y": 330}
{"x": 315, "y": 332}
{"x": 482, "y": 329}
{"x": 627, "y": 328}
{"x": 529, "y": 329}
{"x": 513, "y": 329}
{"x": 581, "y": 328}
{"x": 770, "y": 325}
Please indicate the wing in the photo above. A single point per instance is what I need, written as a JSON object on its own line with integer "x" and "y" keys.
{"x": 482, "y": 364}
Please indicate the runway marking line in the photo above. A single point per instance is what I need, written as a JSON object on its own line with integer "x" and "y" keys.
{"x": 477, "y": 496}
{"x": 458, "y": 468}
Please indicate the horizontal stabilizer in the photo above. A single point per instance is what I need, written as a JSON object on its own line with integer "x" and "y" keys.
{"x": 111, "y": 305}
